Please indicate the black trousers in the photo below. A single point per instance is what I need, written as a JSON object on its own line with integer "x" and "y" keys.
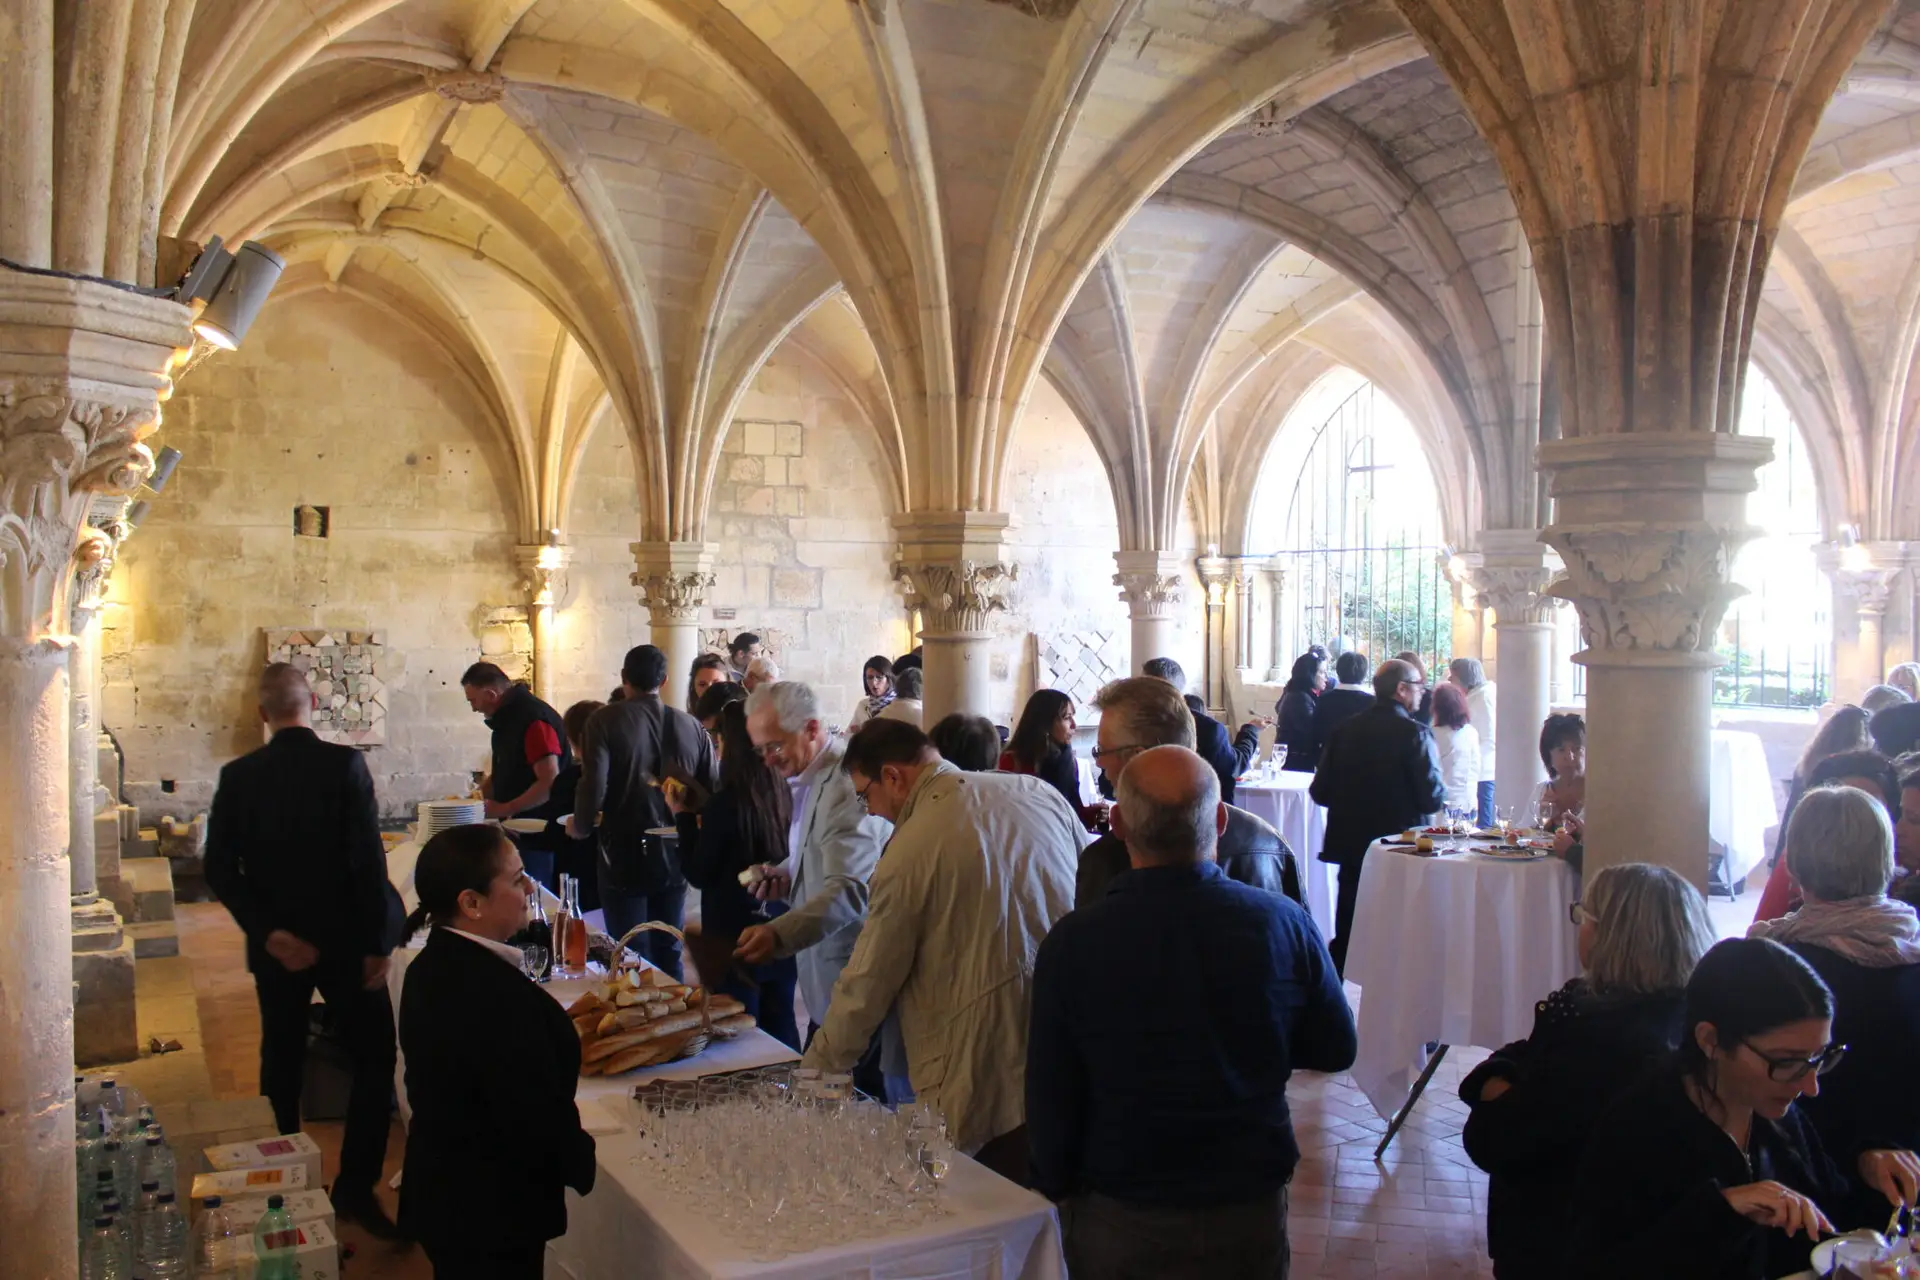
{"x": 365, "y": 1022}
{"x": 1343, "y": 915}
{"x": 1108, "y": 1239}
{"x": 456, "y": 1262}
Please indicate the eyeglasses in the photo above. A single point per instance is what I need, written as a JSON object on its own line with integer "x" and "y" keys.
{"x": 1114, "y": 751}
{"x": 1577, "y": 912}
{"x": 860, "y": 794}
{"x": 1788, "y": 1069}
{"x": 770, "y": 750}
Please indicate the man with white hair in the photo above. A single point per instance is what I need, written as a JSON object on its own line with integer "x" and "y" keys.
{"x": 1156, "y": 1090}
{"x": 761, "y": 670}
{"x": 834, "y": 845}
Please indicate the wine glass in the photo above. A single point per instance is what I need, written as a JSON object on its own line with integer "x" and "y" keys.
{"x": 1543, "y": 816}
{"x": 533, "y": 962}
{"x": 1279, "y": 760}
{"x": 1503, "y": 818}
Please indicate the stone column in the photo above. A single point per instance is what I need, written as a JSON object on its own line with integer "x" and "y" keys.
{"x": 1511, "y": 579}
{"x": 1151, "y": 584}
{"x": 82, "y": 367}
{"x": 105, "y": 1027}
{"x": 544, "y": 569}
{"x": 675, "y": 578}
{"x": 1863, "y": 576}
{"x": 950, "y": 569}
{"x": 1648, "y": 565}
{"x": 1243, "y": 570}
{"x": 1213, "y": 573}
{"x": 1280, "y": 668}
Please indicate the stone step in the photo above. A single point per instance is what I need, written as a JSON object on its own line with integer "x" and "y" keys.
{"x": 154, "y": 938}
{"x": 149, "y": 889}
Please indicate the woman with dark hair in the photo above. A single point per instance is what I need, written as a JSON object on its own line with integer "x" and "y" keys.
{"x": 566, "y": 855}
{"x": 1459, "y": 745}
{"x": 969, "y": 743}
{"x": 712, "y": 702}
{"x": 1293, "y": 716}
{"x": 491, "y": 1065}
{"x": 743, "y": 825}
{"x": 1843, "y": 733}
{"x": 1870, "y": 771}
{"x": 1563, "y": 750}
{"x": 1706, "y": 1170}
{"x": 1866, "y": 948}
{"x": 876, "y": 678}
{"x": 708, "y": 670}
{"x": 1042, "y": 745}
{"x": 1534, "y": 1103}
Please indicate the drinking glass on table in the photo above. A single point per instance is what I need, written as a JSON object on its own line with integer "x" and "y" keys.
{"x": 1279, "y": 760}
{"x": 533, "y": 962}
{"x": 1503, "y": 818}
{"x": 1543, "y": 817}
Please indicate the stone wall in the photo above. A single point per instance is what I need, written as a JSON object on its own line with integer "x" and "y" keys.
{"x": 328, "y": 404}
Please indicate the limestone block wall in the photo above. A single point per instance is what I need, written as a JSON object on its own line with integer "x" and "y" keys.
{"x": 328, "y": 404}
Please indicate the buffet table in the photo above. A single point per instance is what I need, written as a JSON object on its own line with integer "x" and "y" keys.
{"x": 1457, "y": 949}
{"x": 1283, "y": 801}
{"x": 630, "y": 1225}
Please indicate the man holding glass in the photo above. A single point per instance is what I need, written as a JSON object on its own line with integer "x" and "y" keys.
{"x": 1157, "y": 1094}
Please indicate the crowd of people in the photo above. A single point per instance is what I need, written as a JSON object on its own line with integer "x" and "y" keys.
{"x": 1103, "y": 990}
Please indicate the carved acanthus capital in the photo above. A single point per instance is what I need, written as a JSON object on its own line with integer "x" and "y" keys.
{"x": 471, "y": 87}
{"x": 1869, "y": 589}
{"x": 55, "y": 450}
{"x": 1150, "y": 595}
{"x": 1863, "y": 571}
{"x": 543, "y": 571}
{"x": 674, "y": 597}
{"x": 1516, "y": 594}
{"x": 955, "y": 597}
{"x": 1648, "y": 588}
{"x": 1214, "y": 576}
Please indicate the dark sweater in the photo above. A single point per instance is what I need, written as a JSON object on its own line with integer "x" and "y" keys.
{"x": 1584, "y": 1051}
{"x": 1647, "y": 1199}
{"x": 1294, "y": 719}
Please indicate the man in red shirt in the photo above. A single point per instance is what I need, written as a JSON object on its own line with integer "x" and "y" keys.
{"x": 529, "y": 751}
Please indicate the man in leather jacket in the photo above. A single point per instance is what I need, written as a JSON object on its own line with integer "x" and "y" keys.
{"x": 1143, "y": 712}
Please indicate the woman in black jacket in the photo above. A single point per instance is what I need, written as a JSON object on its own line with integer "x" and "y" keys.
{"x": 492, "y": 1062}
{"x": 1534, "y": 1103}
{"x": 743, "y": 825}
{"x": 1707, "y": 1169}
{"x": 1866, "y": 948}
{"x": 1294, "y": 714}
{"x": 1042, "y": 745}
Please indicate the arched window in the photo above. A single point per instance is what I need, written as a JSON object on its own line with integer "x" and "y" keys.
{"x": 1777, "y": 640}
{"x": 1346, "y": 502}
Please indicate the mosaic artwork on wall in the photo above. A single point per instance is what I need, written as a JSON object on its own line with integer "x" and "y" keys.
{"x": 1078, "y": 663}
{"x": 347, "y": 670}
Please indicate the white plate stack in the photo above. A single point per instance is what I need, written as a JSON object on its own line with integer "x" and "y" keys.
{"x": 437, "y": 815}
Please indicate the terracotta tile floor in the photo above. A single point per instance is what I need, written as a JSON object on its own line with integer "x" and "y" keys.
{"x": 1419, "y": 1212}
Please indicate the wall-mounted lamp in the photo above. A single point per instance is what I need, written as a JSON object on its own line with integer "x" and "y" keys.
{"x": 233, "y": 285}
{"x": 163, "y": 464}
{"x": 136, "y": 513}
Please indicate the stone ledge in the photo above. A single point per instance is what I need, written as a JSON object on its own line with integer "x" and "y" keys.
{"x": 154, "y": 939}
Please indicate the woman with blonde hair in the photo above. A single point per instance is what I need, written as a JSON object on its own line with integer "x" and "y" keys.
{"x": 1534, "y": 1103}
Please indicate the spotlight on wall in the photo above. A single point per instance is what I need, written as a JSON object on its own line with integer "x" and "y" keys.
{"x": 136, "y": 513}
{"x": 234, "y": 286}
{"x": 163, "y": 464}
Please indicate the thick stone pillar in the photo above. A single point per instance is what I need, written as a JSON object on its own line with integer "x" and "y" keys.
{"x": 1863, "y": 576}
{"x": 82, "y": 367}
{"x": 1280, "y": 667}
{"x": 544, "y": 566}
{"x": 1151, "y": 584}
{"x": 1511, "y": 579}
{"x": 950, "y": 569}
{"x": 1648, "y": 525}
{"x": 675, "y": 578}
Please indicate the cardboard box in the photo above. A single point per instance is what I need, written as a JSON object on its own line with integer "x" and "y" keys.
{"x": 316, "y": 1253}
{"x": 235, "y": 1183}
{"x": 301, "y": 1206}
{"x": 282, "y": 1149}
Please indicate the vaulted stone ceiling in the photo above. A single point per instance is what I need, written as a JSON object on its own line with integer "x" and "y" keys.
{"x": 610, "y": 212}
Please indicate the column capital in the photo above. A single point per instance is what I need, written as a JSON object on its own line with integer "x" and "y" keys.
{"x": 83, "y": 368}
{"x": 543, "y": 570}
{"x": 1649, "y": 594}
{"x": 950, "y": 568}
{"x": 1864, "y": 571}
{"x": 1151, "y": 582}
{"x": 1510, "y": 573}
{"x": 674, "y": 579}
{"x": 102, "y": 534}
{"x": 1214, "y": 574}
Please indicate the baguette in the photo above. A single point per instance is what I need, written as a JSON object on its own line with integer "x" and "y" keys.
{"x": 588, "y": 1002}
{"x": 672, "y": 1024}
{"x": 607, "y": 1046}
{"x": 665, "y": 1049}
{"x": 724, "y": 1007}
{"x": 733, "y": 1024}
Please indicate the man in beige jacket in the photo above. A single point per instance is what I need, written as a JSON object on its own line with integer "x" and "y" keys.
{"x": 980, "y": 867}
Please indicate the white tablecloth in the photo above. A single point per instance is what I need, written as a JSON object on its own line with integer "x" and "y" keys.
{"x": 631, "y": 1226}
{"x": 1457, "y": 949}
{"x": 1740, "y": 805}
{"x": 1284, "y": 802}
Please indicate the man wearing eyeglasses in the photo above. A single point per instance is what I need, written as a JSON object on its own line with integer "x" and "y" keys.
{"x": 835, "y": 844}
{"x": 1379, "y": 773}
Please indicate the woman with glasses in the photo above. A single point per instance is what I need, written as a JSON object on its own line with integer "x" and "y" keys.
{"x": 1707, "y": 1169}
{"x": 1533, "y": 1104}
{"x": 876, "y": 681}
{"x": 1866, "y": 948}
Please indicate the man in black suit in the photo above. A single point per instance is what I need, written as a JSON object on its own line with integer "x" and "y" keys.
{"x": 1347, "y": 699}
{"x": 1228, "y": 755}
{"x": 1379, "y": 774}
{"x": 294, "y": 853}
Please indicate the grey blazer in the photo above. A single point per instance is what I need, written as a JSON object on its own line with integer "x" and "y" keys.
{"x": 839, "y": 843}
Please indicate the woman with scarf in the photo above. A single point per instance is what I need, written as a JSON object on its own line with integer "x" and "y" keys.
{"x": 1866, "y": 948}
{"x": 877, "y": 678}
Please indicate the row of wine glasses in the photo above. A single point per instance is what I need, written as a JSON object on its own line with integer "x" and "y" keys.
{"x": 791, "y": 1160}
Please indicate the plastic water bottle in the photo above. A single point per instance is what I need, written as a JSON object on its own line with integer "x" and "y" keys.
{"x": 115, "y": 1156}
{"x": 114, "y": 1104}
{"x": 163, "y": 1241}
{"x": 143, "y": 1204}
{"x": 100, "y": 1257}
{"x": 86, "y": 1160}
{"x": 273, "y": 1243}
{"x": 214, "y": 1247}
{"x": 156, "y": 1162}
{"x": 122, "y": 1229}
